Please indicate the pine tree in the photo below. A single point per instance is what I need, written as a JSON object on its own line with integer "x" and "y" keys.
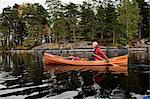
{"x": 144, "y": 26}
{"x": 61, "y": 28}
{"x": 88, "y": 21}
{"x": 128, "y": 19}
{"x": 71, "y": 15}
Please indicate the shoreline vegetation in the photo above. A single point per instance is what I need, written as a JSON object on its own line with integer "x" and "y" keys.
{"x": 78, "y": 49}
{"x": 83, "y": 46}
{"x": 138, "y": 46}
{"x": 64, "y": 26}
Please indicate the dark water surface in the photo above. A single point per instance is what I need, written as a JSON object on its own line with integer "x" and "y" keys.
{"x": 22, "y": 76}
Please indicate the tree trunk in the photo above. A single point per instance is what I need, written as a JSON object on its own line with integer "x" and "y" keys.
{"x": 114, "y": 36}
{"x": 102, "y": 35}
{"x": 64, "y": 39}
{"x": 92, "y": 34}
{"x": 9, "y": 37}
{"x": 74, "y": 36}
{"x": 140, "y": 34}
{"x": 56, "y": 38}
{"x": 5, "y": 42}
{"x": 149, "y": 33}
{"x": 49, "y": 38}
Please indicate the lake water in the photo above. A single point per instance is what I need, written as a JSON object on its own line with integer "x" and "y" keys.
{"x": 23, "y": 76}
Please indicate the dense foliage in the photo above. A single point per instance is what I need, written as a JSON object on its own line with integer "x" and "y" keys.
{"x": 23, "y": 25}
{"x": 115, "y": 23}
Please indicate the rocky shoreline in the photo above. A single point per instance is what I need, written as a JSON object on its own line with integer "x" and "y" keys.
{"x": 144, "y": 49}
{"x": 84, "y": 46}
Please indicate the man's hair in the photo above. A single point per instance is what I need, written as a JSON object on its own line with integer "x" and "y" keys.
{"x": 95, "y": 43}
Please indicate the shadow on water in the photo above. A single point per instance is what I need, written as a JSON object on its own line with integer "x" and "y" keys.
{"x": 24, "y": 76}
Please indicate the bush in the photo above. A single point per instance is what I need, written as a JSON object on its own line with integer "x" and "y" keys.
{"x": 22, "y": 48}
{"x": 30, "y": 43}
{"x": 122, "y": 41}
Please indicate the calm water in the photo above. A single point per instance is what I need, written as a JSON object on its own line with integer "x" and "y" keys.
{"x": 24, "y": 76}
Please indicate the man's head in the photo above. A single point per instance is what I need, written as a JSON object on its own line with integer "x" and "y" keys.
{"x": 95, "y": 44}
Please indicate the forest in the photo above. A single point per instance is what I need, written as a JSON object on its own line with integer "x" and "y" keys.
{"x": 113, "y": 23}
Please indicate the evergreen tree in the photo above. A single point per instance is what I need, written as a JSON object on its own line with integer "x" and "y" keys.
{"x": 111, "y": 21}
{"x": 88, "y": 21}
{"x": 71, "y": 15}
{"x": 101, "y": 21}
{"x": 128, "y": 18}
{"x": 5, "y": 27}
{"x": 61, "y": 28}
{"x": 35, "y": 18}
{"x": 144, "y": 27}
{"x": 54, "y": 9}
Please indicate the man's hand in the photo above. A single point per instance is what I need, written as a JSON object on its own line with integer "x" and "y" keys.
{"x": 107, "y": 60}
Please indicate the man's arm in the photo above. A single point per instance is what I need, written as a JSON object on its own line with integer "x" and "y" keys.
{"x": 100, "y": 52}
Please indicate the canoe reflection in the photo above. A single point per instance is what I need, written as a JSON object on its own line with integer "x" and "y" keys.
{"x": 103, "y": 69}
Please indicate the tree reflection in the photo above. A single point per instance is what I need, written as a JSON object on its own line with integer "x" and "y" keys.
{"x": 6, "y": 62}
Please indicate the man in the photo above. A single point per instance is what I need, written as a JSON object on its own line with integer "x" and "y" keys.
{"x": 98, "y": 54}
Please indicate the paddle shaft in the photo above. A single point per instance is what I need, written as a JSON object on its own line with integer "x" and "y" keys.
{"x": 105, "y": 60}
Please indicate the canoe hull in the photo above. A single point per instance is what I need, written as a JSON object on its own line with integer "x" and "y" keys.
{"x": 58, "y": 60}
{"x": 59, "y": 64}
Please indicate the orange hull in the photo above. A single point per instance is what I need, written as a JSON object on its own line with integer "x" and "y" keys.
{"x": 58, "y": 62}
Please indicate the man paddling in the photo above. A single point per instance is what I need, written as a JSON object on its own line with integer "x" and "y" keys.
{"x": 98, "y": 54}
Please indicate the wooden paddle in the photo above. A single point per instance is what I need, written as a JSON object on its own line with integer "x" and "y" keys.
{"x": 114, "y": 66}
{"x": 105, "y": 60}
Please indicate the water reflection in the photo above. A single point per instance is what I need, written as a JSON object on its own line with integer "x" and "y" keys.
{"x": 142, "y": 58}
{"x": 24, "y": 76}
{"x": 139, "y": 72}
